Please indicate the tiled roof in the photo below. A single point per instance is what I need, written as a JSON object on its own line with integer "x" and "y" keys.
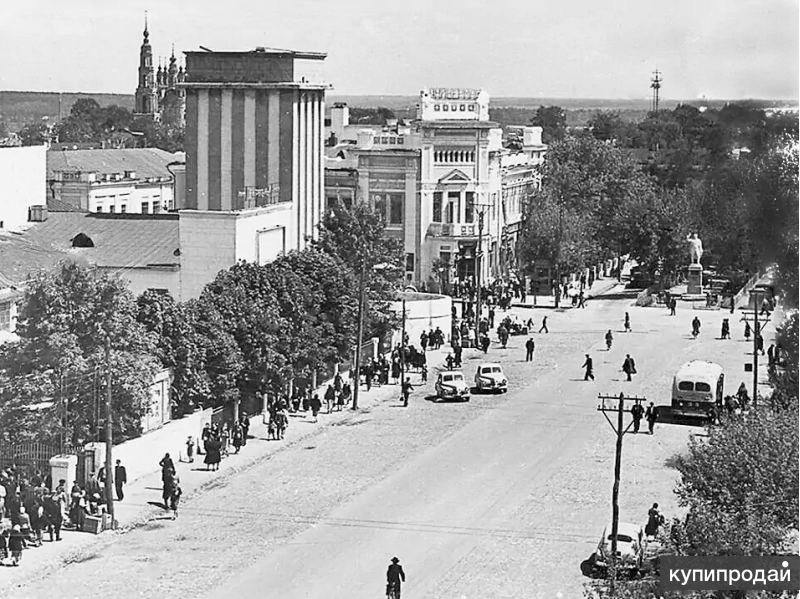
{"x": 56, "y": 205}
{"x": 146, "y": 162}
{"x": 120, "y": 240}
{"x": 21, "y": 257}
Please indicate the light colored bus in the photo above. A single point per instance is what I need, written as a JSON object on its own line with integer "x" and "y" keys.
{"x": 697, "y": 386}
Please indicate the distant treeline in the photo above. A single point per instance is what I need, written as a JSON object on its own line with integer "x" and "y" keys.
{"x": 18, "y": 109}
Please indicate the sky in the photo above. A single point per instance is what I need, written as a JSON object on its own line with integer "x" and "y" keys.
{"x": 720, "y": 49}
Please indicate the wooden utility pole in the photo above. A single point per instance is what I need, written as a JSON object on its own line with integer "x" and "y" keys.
{"x": 620, "y": 429}
{"x": 109, "y": 462}
{"x": 478, "y": 254}
{"x": 403, "y": 349}
{"x": 360, "y": 334}
{"x": 755, "y": 294}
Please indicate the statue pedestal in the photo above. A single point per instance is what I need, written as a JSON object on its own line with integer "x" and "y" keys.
{"x": 695, "y": 283}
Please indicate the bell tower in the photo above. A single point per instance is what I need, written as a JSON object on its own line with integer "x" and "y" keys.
{"x": 146, "y": 89}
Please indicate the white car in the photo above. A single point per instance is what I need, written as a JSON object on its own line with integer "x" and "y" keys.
{"x": 450, "y": 384}
{"x": 490, "y": 377}
{"x": 630, "y": 548}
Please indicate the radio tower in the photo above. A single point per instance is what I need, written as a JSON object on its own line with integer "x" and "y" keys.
{"x": 655, "y": 83}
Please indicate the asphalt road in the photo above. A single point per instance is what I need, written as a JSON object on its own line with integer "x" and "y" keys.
{"x": 503, "y": 496}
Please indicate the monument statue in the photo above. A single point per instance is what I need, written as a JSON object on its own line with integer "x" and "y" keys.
{"x": 695, "y": 248}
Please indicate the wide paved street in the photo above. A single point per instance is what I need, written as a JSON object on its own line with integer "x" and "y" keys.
{"x": 503, "y": 496}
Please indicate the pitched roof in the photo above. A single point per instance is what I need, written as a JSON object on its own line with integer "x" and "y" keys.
{"x": 56, "y": 205}
{"x": 146, "y": 162}
{"x": 119, "y": 240}
{"x": 21, "y": 256}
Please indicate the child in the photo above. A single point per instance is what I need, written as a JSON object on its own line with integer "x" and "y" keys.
{"x": 175, "y": 497}
{"x": 190, "y": 449}
{"x": 16, "y": 543}
{"x": 272, "y": 430}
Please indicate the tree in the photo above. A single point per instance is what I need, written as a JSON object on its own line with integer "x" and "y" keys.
{"x": 65, "y": 318}
{"x": 34, "y": 134}
{"x": 3, "y": 129}
{"x": 155, "y": 134}
{"x": 608, "y": 126}
{"x": 553, "y": 121}
{"x": 784, "y": 380}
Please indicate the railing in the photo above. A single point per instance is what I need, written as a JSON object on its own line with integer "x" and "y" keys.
{"x": 451, "y": 230}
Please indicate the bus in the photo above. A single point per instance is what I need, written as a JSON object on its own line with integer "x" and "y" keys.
{"x": 697, "y": 386}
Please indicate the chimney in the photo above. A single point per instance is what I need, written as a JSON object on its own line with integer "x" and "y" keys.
{"x": 531, "y": 136}
{"x": 130, "y": 174}
{"x": 37, "y": 214}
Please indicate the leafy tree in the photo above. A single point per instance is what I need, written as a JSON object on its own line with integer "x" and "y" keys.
{"x": 374, "y": 116}
{"x": 553, "y": 121}
{"x": 155, "y": 134}
{"x": 784, "y": 380}
{"x": 34, "y": 134}
{"x": 608, "y": 126}
{"x": 3, "y": 129}
{"x": 64, "y": 321}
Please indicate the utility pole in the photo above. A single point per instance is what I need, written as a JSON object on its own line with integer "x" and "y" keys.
{"x": 109, "y": 445}
{"x": 478, "y": 255}
{"x": 360, "y": 334}
{"x": 620, "y": 431}
{"x": 403, "y": 349}
{"x": 558, "y": 257}
{"x": 755, "y": 294}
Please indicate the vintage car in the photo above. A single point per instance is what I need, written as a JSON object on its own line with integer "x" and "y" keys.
{"x": 490, "y": 377}
{"x": 630, "y": 549}
{"x": 450, "y": 384}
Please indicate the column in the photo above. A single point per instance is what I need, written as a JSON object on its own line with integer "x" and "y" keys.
{"x": 202, "y": 149}
{"x": 226, "y": 132}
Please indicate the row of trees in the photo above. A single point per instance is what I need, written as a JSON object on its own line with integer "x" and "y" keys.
{"x": 113, "y": 126}
{"x": 599, "y": 199}
{"x": 252, "y": 330}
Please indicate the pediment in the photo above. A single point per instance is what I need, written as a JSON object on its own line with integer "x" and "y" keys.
{"x": 455, "y": 176}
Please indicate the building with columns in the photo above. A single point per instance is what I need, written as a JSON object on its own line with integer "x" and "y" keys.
{"x": 254, "y": 158}
{"x": 446, "y": 184}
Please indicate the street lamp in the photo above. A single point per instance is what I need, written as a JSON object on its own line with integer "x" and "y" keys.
{"x": 478, "y": 256}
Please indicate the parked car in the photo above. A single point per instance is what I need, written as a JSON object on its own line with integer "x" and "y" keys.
{"x": 630, "y": 549}
{"x": 450, "y": 384}
{"x": 490, "y": 377}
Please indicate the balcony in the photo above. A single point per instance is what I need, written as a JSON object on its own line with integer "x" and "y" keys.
{"x": 452, "y": 230}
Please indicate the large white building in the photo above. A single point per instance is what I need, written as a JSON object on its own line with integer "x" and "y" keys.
{"x": 470, "y": 189}
{"x": 22, "y": 184}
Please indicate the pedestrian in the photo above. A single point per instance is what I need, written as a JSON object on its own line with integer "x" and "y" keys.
{"x": 407, "y": 388}
{"x": 212, "y": 460}
{"x": 695, "y": 327}
{"x": 491, "y": 317}
{"x": 654, "y": 521}
{"x": 175, "y": 497}
{"x": 747, "y": 330}
{"x": 448, "y": 361}
{"x": 673, "y": 303}
{"x": 544, "y": 325}
{"x": 244, "y": 421}
{"x": 330, "y": 398}
{"x": 726, "y": 329}
{"x": 423, "y": 340}
{"x": 120, "y": 479}
{"x": 629, "y": 366}
{"x": 316, "y": 406}
{"x": 167, "y": 467}
{"x": 53, "y": 517}
{"x": 609, "y": 339}
{"x": 637, "y": 411}
{"x": 581, "y": 300}
{"x": 3, "y": 544}
{"x": 589, "y": 366}
{"x": 16, "y": 543}
{"x": 237, "y": 436}
{"x": 529, "y": 347}
{"x": 190, "y": 449}
{"x": 395, "y": 369}
{"x": 485, "y": 342}
{"x": 344, "y": 397}
{"x": 502, "y": 335}
{"x": 759, "y": 343}
{"x": 651, "y": 414}
{"x": 627, "y": 323}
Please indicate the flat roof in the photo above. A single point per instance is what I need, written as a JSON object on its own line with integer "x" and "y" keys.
{"x": 262, "y": 51}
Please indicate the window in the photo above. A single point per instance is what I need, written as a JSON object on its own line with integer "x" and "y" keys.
{"x": 410, "y": 262}
{"x": 99, "y": 208}
{"x": 156, "y": 207}
{"x": 111, "y": 208}
{"x": 437, "y": 206}
{"x": 5, "y": 316}
{"x": 462, "y": 107}
{"x": 395, "y": 209}
{"x": 471, "y": 107}
{"x": 145, "y": 207}
{"x": 453, "y": 208}
{"x": 469, "y": 209}
{"x": 453, "y": 107}
{"x": 444, "y": 108}
{"x": 380, "y": 204}
{"x": 705, "y": 387}
{"x": 123, "y": 208}
{"x": 436, "y": 108}
{"x": 399, "y": 141}
{"x": 686, "y": 386}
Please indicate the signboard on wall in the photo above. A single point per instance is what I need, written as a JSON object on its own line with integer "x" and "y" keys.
{"x": 270, "y": 244}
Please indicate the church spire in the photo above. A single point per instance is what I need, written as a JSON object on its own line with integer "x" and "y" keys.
{"x": 146, "y": 33}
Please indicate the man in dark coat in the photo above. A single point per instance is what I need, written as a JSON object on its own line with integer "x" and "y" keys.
{"x": 651, "y": 415}
{"x": 629, "y": 366}
{"x": 637, "y": 411}
{"x": 53, "y": 517}
{"x": 529, "y": 347}
{"x": 394, "y": 576}
{"x": 120, "y": 479}
{"x": 589, "y": 366}
{"x": 502, "y": 334}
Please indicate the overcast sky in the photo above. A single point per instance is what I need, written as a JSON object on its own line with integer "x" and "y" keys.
{"x": 560, "y": 48}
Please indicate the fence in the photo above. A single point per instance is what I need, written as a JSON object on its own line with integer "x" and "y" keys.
{"x": 29, "y": 459}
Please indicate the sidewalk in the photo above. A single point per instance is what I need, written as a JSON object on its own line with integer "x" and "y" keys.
{"x": 143, "y": 503}
{"x": 599, "y": 287}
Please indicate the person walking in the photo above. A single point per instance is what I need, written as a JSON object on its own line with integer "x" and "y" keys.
{"x": 695, "y": 327}
{"x": 627, "y": 323}
{"x": 316, "y": 406}
{"x": 651, "y": 414}
{"x": 629, "y": 366}
{"x": 529, "y": 347}
{"x": 747, "y": 330}
{"x": 609, "y": 339}
{"x": 407, "y": 388}
{"x": 120, "y": 479}
{"x": 16, "y": 543}
{"x": 53, "y": 517}
{"x": 236, "y": 437}
{"x": 485, "y": 342}
{"x": 725, "y": 333}
{"x": 330, "y": 398}
{"x": 394, "y": 576}
{"x": 637, "y": 412}
{"x": 190, "y": 449}
{"x": 244, "y": 421}
{"x": 502, "y": 334}
{"x": 673, "y": 303}
{"x": 175, "y": 496}
{"x": 771, "y": 356}
{"x": 581, "y": 300}
{"x": 589, "y": 366}
{"x": 544, "y": 325}
{"x": 759, "y": 343}
{"x": 654, "y": 521}
{"x": 423, "y": 340}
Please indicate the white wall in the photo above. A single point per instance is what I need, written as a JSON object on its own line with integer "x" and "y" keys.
{"x": 423, "y": 314}
{"x": 131, "y": 195}
{"x": 251, "y": 243}
{"x": 142, "y": 279}
{"x": 208, "y": 245}
{"x": 23, "y": 183}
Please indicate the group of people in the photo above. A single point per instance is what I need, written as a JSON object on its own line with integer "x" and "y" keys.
{"x": 433, "y": 339}
{"x": 218, "y": 439}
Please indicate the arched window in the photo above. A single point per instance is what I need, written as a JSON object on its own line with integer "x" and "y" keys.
{"x": 82, "y": 240}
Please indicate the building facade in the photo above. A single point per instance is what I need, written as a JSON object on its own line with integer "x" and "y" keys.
{"x": 22, "y": 184}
